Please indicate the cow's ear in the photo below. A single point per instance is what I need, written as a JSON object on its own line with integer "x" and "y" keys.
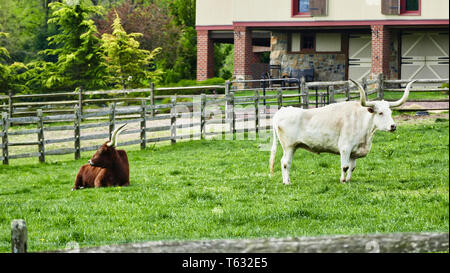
{"x": 370, "y": 109}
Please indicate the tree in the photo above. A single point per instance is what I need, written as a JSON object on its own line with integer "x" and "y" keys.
{"x": 186, "y": 62}
{"x": 4, "y": 69}
{"x": 128, "y": 65}
{"x": 12, "y": 77}
{"x": 78, "y": 49}
{"x": 153, "y": 22}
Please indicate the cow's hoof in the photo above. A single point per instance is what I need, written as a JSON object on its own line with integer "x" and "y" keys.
{"x": 287, "y": 183}
{"x": 343, "y": 181}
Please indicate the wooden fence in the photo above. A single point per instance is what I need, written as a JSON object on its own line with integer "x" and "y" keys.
{"x": 369, "y": 243}
{"x": 239, "y": 110}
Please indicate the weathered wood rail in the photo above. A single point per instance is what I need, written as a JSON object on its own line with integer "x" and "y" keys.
{"x": 239, "y": 110}
{"x": 369, "y": 243}
{"x": 64, "y": 102}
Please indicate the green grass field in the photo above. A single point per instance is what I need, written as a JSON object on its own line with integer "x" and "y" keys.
{"x": 221, "y": 189}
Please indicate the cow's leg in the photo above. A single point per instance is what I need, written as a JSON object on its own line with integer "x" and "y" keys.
{"x": 345, "y": 163}
{"x": 78, "y": 182}
{"x": 288, "y": 153}
{"x": 98, "y": 182}
{"x": 351, "y": 169}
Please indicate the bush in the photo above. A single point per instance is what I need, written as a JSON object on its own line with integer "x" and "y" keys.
{"x": 445, "y": 85}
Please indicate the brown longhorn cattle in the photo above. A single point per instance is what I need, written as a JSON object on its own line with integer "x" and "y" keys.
{"x": 108, "y": 167}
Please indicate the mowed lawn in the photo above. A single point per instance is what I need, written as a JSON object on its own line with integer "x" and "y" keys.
{"x": 221, "y": 189}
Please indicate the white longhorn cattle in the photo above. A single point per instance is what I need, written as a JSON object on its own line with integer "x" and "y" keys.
{"x": 344, "y": 128}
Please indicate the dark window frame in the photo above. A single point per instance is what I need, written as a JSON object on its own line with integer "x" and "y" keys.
{"x": 403, "y": 10}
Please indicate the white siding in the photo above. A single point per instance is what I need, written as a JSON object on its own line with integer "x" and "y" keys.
{"x": 225, "y": 12}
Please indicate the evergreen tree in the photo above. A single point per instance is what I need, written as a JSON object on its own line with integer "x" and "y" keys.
{"x": 12, "y": 77}
{"x": 80, "y": 57}
{"x": 128, "y": 65}
{"x": 4, "y": 69}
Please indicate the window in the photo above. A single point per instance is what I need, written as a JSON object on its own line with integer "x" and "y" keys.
{"x": 315, "y": 42}
{"x": 400, "y": 7}
{"x": 300, "y": 8}
{"x": 309, "y": 7}
{"x": 304, "y": 42}
{"x": 408, "y": 7}
{"x": 303, "y": 6}
{"x": 307, "y": 42}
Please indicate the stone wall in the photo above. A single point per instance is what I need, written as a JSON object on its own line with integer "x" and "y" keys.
{"x": 327, "y": 67}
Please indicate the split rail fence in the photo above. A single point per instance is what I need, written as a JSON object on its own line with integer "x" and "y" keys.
{"x": 154, "y": 119}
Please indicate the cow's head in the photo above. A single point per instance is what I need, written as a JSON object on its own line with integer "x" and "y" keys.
{"x": 105, "y": 155}
{"x": 382, "y": 109}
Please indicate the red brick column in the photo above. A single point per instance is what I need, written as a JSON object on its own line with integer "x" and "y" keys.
{"x": 243, "y": 52}
{"x": 205, "y": 56}
{"x": 381, "y": 51}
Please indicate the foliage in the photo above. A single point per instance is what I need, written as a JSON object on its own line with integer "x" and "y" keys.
{"x": 153, "y": 22}
{"x": 80, "y": 57}
{"x": 185, "y": 66}
{"x": 22, "y": 20}
{"x": 12, "y": 77}
{"x": 127, "y": 64}
{"x": 221, "y": 189}
{"x": 223, "y": 60}
{"x": 445, "y": 85}
{"x": 4, "y": 69}
{"x": 56, "y": 44}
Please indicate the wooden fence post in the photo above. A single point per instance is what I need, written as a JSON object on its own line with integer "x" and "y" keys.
{"x": 202, "y": 115}
{"x": 233, "y": 116}
{"x": 331, "y": 95}
{"x": 256, "y": 112}
{"x": 40, "y": 135}
{"x": 173, "y": 120}
{"x": 380, "y": 83}
{"x": 364, "y": 85}
{"x": 347, "y": 91}
{"x": 112, "y": 118}
{"x": 143, "y": 125}
{"x": 77, "y": 123}
{"x": 304, "y": 93}
{"x": 5, "y": 153}
{"x": 80, "y": 99}
{"x": 19, "y": 236}
{"x": 280, "y": 98}
{"x": 227, "y": 103}
{"x": 10, "y": 103}
{"x": 152, "y": 99}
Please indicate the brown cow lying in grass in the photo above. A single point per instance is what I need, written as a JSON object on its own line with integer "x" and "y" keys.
{"x": 108, "y": 167}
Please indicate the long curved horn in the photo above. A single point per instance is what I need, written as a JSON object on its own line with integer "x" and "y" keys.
{"x": 405, "y": 96}
{"x": 362, "y": 95}
{"x": 114, "y": 135}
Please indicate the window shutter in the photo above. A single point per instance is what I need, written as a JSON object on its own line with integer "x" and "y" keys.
{"x": 318, "y": 7}
{"x": 390, "y": 7}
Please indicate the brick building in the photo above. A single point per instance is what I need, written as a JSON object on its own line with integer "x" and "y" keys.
{"x": 338, "y": 39}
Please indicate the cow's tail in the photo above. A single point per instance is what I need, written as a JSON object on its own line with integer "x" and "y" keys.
{"x": 273, "y": 151}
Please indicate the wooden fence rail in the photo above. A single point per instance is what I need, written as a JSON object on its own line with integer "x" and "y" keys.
{"x": 238, "y": 111}
{"x": 368, "y": 243}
